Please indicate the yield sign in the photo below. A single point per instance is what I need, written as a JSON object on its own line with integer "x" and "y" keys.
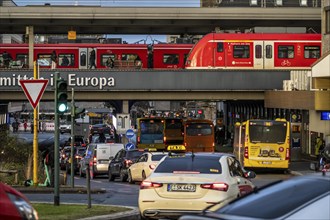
{"x": 34, "y": 89}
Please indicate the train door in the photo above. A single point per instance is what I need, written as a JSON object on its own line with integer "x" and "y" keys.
{"x": 258, "y": 55}
{"x": 269, "y": 55}
{"x": 83, "y": 58}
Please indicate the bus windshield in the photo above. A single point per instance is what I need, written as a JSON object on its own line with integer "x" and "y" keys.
{"x": 199, "y": 130}
{"x": 268, "y": 133}
{"x": 151, "y": 131}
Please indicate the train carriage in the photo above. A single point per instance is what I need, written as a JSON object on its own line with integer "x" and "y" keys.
{"x": 255, "y": 51}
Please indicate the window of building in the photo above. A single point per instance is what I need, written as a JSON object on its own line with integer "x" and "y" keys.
{"x": 220, "y": 47}
{"x": 241, "y": 51}
{"x": 312, "y": 52}
{"x": 171, "y": 58}
{"x": 66, "y": 59}
{"x": 258, "y": 51}
{"x": 269, "y": 51}
{"x": 286, "y": 52}
{"x": 327, "y": 20}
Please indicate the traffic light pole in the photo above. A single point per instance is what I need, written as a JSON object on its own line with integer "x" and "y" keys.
{"x": 72, "y": 136}
{"x": 56, "y": 148}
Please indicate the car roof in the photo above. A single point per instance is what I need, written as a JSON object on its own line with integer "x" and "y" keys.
{"x": 279, "y": 198}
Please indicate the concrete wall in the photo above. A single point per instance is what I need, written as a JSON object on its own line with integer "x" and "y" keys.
{"x": 325, "y": 37}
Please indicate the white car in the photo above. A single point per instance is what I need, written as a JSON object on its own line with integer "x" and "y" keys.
{"x": 191, "y": 182}
{"x": 144, "y": 166}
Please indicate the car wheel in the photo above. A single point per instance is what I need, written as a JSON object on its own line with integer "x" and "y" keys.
{"x": 122, "y": 176}
{"x": 129, "y": 178}
{"x": 143, "y": 175}
{"x": 111, "y": 176}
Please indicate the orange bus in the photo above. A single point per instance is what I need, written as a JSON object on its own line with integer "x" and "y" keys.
{"x": 199, "y": 135}
{"x": 173, "y": 131}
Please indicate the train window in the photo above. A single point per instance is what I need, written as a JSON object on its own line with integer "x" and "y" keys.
{"x": 285, "y": 51}
{"x": 312, "y": 52}
{"x": 22, "y": 58}
{"x": 44, "y": 59}
{"x": 131, "y": 57}
{"x": 83, "y": 58}
{"x": 241, "y": 51}
{"x": 269, "y": 51}
{"x": 106, "y": 57}
{"x": 258, "y": 51}
{"x": 171, "y": 58}
{"x": 220, "y": 47}
{"x": 66, "y": 59}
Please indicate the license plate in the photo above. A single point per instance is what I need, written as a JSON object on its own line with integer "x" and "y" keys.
{"x": 103, "y": 161}
{"x": 181, "y": 188}
{"x": 266, "y": 162}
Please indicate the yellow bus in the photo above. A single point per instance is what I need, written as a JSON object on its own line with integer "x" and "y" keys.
{"x": 199, "y": 135}
{"x": 151, "y": 133}
{"x": 263, "y": 143}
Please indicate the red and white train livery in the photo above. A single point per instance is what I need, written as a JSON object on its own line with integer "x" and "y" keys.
{"x": 255, "y": 51}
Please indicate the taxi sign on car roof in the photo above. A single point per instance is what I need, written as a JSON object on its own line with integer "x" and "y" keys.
{"x": 176, "y": 148}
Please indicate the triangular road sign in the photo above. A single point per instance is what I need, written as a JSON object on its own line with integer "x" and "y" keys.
{"x": 34, "y": 89}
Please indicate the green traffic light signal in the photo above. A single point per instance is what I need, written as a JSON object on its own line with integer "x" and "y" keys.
{"x": 62, "y": 96}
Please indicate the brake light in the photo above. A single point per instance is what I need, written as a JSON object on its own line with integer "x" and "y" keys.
{"x": 246, "y": 152}
{"x": 152, "y": 166}
{"x": 128, "y": 163}
{"x": 138, "y": 139}
{"x": 164, "y": 139}
{"x": 215, "y": 186}
{"x": 94, "y": 160}
{"x": 149, "y": 185}
{"x": 287, "y": 155}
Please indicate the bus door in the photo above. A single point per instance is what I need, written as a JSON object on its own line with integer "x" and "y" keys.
{"x": 258, "y": 55}
{"x": 269, "y": 55}
{"x": 83, "y": 58}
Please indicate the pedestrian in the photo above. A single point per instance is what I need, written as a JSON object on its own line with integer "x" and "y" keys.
{"x": 25, "y": 125}
{"x": 53, "y": 57}
{"x": 92, "y": 59}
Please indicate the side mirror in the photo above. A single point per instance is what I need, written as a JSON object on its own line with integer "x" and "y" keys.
{"x": 111, "y": 158}
{"x": 250, "y": 174}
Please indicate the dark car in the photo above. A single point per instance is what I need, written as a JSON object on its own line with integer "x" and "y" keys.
{"x": 100, "y": 128}
{"x": 121, "y": 162}
{"x": 14, "y": 205}
{"x": 78, "y": 155}
{"x": 302, "y": 197}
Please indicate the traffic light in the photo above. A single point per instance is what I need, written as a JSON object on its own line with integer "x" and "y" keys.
{"x": 62, "y": 96}
{"x": 200, "y": 113}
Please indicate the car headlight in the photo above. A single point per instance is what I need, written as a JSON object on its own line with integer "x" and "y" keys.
{"x": 24, "y": 208}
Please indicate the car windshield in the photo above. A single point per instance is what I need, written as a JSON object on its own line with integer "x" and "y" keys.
{"x": 268, "y": 203}
{"x": 205, "y": 165}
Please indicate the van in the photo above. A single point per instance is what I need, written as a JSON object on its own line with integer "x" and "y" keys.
{"x": 98, "y": 157}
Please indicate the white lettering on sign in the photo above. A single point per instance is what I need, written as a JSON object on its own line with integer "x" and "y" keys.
{"x": 99, "y": 82}
{"x": 73, "y": 81}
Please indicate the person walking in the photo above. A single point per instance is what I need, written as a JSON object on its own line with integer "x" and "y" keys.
{"x": 53, "y": 57}
{"x": 92, "y": 59}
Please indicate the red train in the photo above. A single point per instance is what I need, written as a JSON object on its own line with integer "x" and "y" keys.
{"x": 255, "y": 51}
{"x": 213, "y": 51}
